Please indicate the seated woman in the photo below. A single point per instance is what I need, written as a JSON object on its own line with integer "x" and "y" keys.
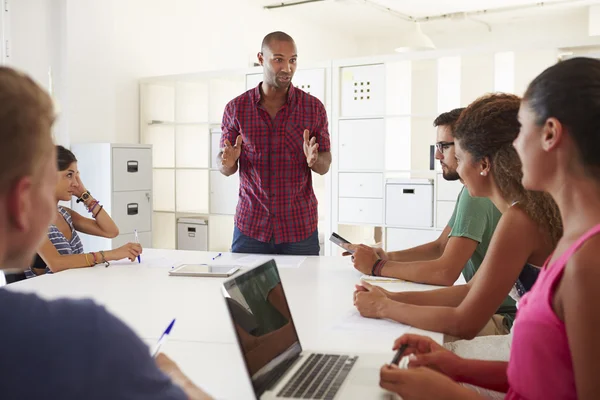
{"x": 62, "y": 249}
{"x": 555, "y": 353}
{"x": 526, "y": 234}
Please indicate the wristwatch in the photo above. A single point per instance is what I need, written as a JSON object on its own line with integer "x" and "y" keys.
{"x": 84, "y": 196}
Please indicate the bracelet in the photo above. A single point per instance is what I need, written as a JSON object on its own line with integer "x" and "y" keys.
{"x": 93, "y": 255}
{"x": 87, "y": 260}
{"x": 106, "y": 263}
{"x": 92, "y": 206}
{"x": 380, "y": 267}
{"x": 101, "y": 207}
{"x": 375, "y": 267}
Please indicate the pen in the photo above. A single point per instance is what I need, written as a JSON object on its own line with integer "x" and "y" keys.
{"x": 137, "y": 240}
{"x": 163, "y": 338}
{"x": 215, "y": 257}
{"x": 399, "y": 353}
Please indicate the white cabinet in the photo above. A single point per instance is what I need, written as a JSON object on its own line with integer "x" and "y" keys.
{"x": 401, "y": 239}
{"x": 364, "y": 211}
{"x": 120, "y": 178}
{"x": 224, "y": 193}
{"x": 361, "y": 185}
{"x": 409, "y": 202}
{"x": 362, "y": 144}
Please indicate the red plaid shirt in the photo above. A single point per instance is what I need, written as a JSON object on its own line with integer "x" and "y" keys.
{"x": 276, "y": 200}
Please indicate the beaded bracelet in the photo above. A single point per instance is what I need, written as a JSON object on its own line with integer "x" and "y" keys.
{"x": 92, "y": 206}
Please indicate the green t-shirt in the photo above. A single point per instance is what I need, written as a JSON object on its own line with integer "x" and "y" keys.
{"x": 476, "y": 218}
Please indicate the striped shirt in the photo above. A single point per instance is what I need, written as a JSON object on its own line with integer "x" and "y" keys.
{"x": 276, "y": 197}
{"x": 60, "y": 242}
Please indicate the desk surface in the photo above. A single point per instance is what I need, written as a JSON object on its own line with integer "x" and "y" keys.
{"x": 202, "y": 342}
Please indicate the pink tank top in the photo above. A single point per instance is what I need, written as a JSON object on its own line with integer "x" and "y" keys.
{"x": 540, "y": 365}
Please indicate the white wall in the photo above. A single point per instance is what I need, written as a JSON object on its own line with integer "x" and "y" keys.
{"x": 99, "y": 49}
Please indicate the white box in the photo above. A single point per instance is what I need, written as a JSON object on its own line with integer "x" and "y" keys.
{"x": 192, "y": 234}
{"x": 409, "y": 202}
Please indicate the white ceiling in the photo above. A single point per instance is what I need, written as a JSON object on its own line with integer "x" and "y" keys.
{"x": 359, "y": 19}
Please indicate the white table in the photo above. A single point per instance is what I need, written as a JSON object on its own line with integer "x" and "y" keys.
{"x": 202, "y": 341}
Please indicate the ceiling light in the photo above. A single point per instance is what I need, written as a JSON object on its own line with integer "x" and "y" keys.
{"x": 415, "y": 40}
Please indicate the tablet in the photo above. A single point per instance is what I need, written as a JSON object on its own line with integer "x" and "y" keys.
{"x": 204, "y": 270}
{"x": 340, "y": 241}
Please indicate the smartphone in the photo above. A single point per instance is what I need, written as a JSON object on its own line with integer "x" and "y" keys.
{"x": 340, "y": 241}
{"x": 221, "y": 271}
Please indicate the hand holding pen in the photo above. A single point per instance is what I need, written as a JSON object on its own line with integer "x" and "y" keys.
{"x": 163, "y": 339}
{"x": 137, "y": 240}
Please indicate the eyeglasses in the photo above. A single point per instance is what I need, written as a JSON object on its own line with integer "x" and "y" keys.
{"x": 443, "y": 146}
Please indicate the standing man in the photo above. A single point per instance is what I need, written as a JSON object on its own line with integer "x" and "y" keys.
{"x": 280, "y": 135}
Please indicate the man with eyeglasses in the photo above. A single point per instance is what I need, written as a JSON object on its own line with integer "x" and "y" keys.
{"x": 462, "y": 245}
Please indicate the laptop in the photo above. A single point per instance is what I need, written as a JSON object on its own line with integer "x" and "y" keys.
{"x": 278, "y": 366}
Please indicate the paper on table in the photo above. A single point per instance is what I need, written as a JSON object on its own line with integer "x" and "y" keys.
{"x": 370, "y": 278}
{"x": 160, "y": 262}
{"x": 353, "y": 321}
{"x": 282, "y": 261}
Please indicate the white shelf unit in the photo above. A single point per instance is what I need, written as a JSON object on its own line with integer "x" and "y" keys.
{"x": 386, "y": 132}
{"x": 181, "y": 117}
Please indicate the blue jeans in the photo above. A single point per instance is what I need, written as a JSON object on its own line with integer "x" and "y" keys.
{"x": 245, "y": 244}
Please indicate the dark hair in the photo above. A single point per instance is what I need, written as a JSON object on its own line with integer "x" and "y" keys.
{"x": 278, "y": 35}
{"x": 26, "y": 117}
{"x": 448, "y": 118}
{"x": 570, "y": 92}
{"x": 487, "y": 128}
{"x": 65, "y": 157}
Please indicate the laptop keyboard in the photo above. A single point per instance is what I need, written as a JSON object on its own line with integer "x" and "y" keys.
{"x": 320, "y": 377}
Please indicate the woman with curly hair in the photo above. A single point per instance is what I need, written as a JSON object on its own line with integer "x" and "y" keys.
{"x": 525, "y": 236}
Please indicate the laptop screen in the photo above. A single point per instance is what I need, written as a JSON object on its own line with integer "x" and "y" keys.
{"x": 263, "y": 324}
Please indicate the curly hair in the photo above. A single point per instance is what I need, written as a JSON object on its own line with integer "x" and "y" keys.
{"x": 487, "y": 128}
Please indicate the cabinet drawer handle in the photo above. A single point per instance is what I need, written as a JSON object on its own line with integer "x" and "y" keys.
{"x": 133, "y": 208}
{"x": 408, "y": 191}
{"x": 132, "y": 166}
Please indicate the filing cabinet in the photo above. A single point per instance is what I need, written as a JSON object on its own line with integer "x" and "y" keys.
{"x": 119, "y": 176}
{"x": 192, "y": 234}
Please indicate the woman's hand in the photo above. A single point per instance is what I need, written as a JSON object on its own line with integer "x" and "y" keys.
{"x": 430, "y": 354}
{"x": 79, "y": 187}
{"x": 130, "y": 250}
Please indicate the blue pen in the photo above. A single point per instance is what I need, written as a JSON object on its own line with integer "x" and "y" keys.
{"x": 218, "y": 255}
{"x": 163, "y": 338}
{"x": 137, "y": 240}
